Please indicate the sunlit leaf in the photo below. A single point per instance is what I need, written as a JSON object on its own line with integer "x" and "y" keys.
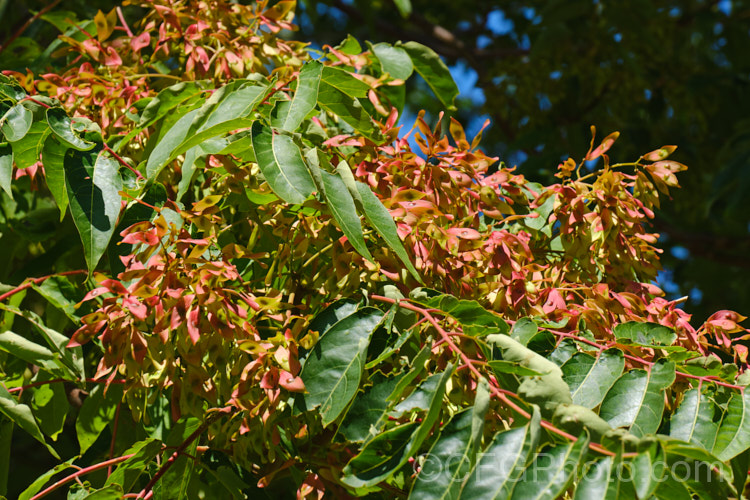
{"x": 636, "y": 400}
{"x": 27, "y": 150}
{"x": 50, "y": 406}
{"x": 372, "y": 465}
{"x": 345, "y": 212}
{"x": 449, "y": 460}
{"x": 647, "y": 334}
{"x": 6, "y": 167}
{"x": 16, "y": 122}
{"x": 172, "y": 138}
{"x": 380, "y": 219}
{"x": 591, "y": 377}
{"x": 282, "y": 164}
{"x": 604, "y": 479}
{"x": 333, "y": 368}
{"x": 734, "y": 432}
{"x": 393, "y": 60}
{"x": 501, "y": 464}
{"x": 693, "y": 421}
{"x": 434, "y": 71}
{"x": 54, "y": 170}
{"x": 552, "y": 471}
{"x": 31, "y": 352}
{"x": 40, "y": 481}
{"x": 21, "y": 415}
{"x": 305, "y": 98}
{"x": 128, "y": 472}
{"x": 348, "y": 109}
{"x": 62, "y": 127}
{"x": 94, "y": 185}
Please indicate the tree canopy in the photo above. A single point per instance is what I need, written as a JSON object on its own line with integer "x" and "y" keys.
{"x": 240, "y": 263}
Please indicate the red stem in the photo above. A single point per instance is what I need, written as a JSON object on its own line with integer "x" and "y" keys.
{"x": 56, "y": 380}
{"x": 29, "y": 98}
{"x": 707, "y": 378}
{"x": 155, "y": 209}
{"x": 467, "y": 361}
{"x": 270, "y": 93}
{"x": 36, "y": 281}
{"x": 122, "y": 162}
{"x": 81, "y": 472}
{"x": 23, "y": 28}
{"x": 124, "y": 24}
{"x": 114, "y": 434}
{"x": 146, "y": 493}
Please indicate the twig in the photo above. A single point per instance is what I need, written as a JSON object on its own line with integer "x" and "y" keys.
{"x": 57, "y": 380}
{"x": 35, "y": 281}
{"x": 81, "y": 472}
{"x": 147, "y": 492}
{"x": 25, "y": 26}
{"x": 637, "y": 359}
{"x": 122, "y": 162}
{"x": 467, "y": 361}
{"x": 114, "y": 433}
{"x": 29, "y": 98}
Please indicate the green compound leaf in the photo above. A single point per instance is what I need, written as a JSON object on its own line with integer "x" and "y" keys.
{"x": 333, "y": 368}
{"x": 467, "y": 312}
{"x": 6, "y": 167}
{"x": 380, "y": 457}
{"x": 500, "y": 467}
{"x": 281, "y": 162}
{"x": 62, "y": 127}
{"x": 161, "y": 153}
{"x": 228, "y": 103}
{"x": 393, "y": 60}
{"x": 127, "y": 472}
{"x": 366, "y": 470}
{"x": 168, "y": 99}
{"x": 449, "y": 460}
{"x": 348, "y": 108}
{"x": 344, "y": 211}
{"x": 434, "y": 71}
{"x": 39, "y": 482}
{"x": 31, "y": 352}
{"x": 734, "y": 433}
{"x": 16, "y": 122}
{"x": 591, "y": 377}
{"x": 380, "y": 219}
{"x": 290, "y": 114}
{"x": 94, "y": 185}
{"x": 21, "y": 415}
{"x": 26, "y": 151}
{"x": 605, "y": 480}
{"x": 552, "y": 472}
{"x": 647, "y": 334}
{"x": 69, "y": 358}
{"x": 344, "y": 81}
{"x": 693, "y": 422}
{"x": 50, "y": 406}
{"x": 368, "y": 412}
{"x": 636, "y": 400}
{"x": 54, "y": 170}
